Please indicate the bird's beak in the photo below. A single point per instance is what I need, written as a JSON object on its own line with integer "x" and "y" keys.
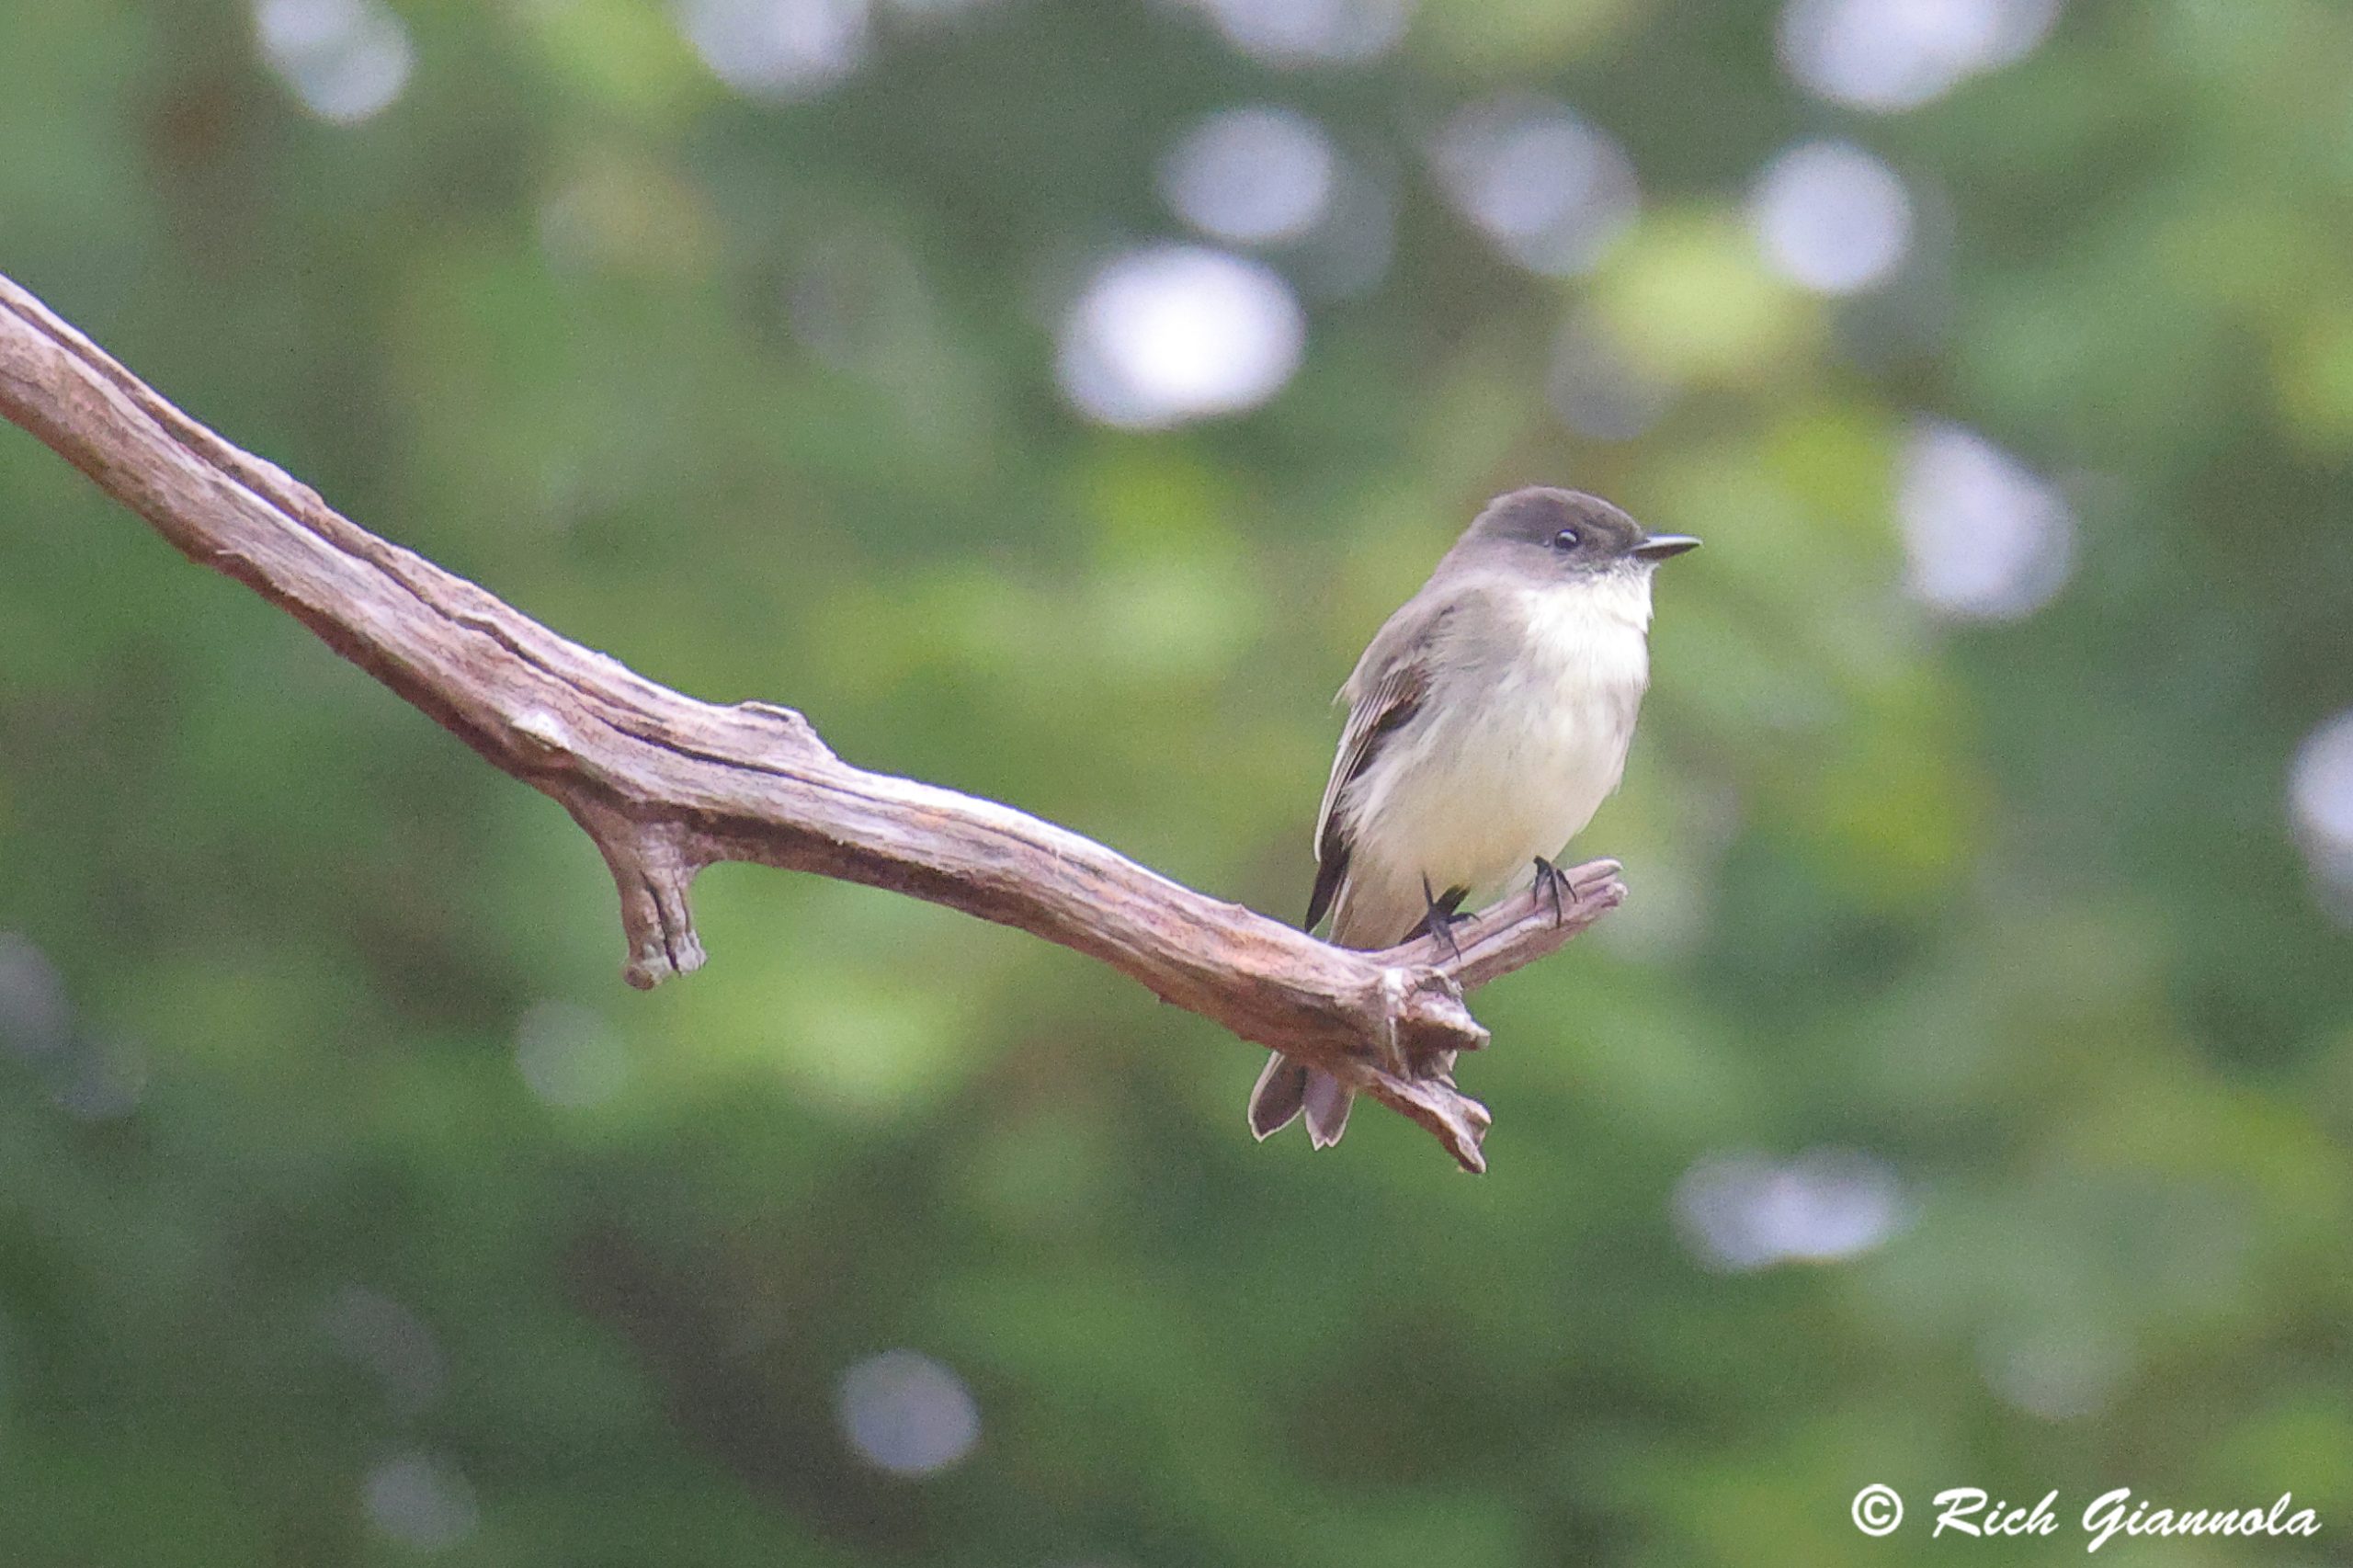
{"x": 1658, "y": 547}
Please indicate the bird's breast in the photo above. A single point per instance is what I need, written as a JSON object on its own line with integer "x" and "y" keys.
{"x": 1517, "y": 751}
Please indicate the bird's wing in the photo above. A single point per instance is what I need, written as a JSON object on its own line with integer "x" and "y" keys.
{"x": 1388, "y": 688}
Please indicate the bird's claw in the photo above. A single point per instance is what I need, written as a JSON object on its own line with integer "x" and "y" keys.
{"x": 1553, "y": 883}
{"x": 1438, "y": 922}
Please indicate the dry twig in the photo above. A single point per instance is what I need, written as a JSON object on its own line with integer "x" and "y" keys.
{"x": 667, "y": 785}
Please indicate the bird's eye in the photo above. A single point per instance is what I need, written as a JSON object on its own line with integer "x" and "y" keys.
{"x": 1567, "y": 539}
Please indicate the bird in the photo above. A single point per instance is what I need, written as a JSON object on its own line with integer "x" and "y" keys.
{"x": 1488, "y": 719}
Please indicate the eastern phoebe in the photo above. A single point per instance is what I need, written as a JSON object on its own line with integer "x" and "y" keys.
{"x": 1487, "y": 722}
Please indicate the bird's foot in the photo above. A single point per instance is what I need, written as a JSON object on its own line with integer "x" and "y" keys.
{"x": 1553, "y": 883}
{"x": 1438, "y": 921}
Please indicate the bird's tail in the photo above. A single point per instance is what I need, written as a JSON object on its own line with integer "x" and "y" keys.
{"x": 1286, "y": 1089}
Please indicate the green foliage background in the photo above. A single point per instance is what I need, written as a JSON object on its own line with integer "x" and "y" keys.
{"x": 2016, "y": 908}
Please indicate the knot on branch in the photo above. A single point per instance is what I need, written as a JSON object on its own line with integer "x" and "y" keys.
{"x": 542, "y": 732}
{"x": 1426, "y": 1022}
{"x": 789, "y": 726}
{"x": 654, "y": 863}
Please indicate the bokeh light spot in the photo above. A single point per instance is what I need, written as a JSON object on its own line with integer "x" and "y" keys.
{"x": 375, "y": 1332}
{"x": 2320, "y": 795}
{"x": 1310, "y": 32}
{"x": 1741, "y": 1212}
{"x": 1178, "y": 333}
{"x": 1886, "y": 55}
{"x": 907, "y": 1413}
{"x": 34, "y": 1013}
{"x": 1986, "y": 539}
{"x": 777, "y": 49}
{"x": 1551, "y": 191}
{"x": 1254, "y": 176}
{"x": 1831, "y": 218}
{"x": 345, "y": 60}
{"x": 923, "y": 12}
{"x": 420, "y": 1500}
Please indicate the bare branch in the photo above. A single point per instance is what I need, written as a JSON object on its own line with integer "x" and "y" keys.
{"x": 667, "y": 785}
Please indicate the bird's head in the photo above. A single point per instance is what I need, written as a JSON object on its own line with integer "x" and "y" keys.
{"x": 1566, "y": 533}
